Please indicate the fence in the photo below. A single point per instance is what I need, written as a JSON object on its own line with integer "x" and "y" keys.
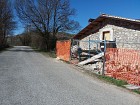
{"x": 63, "y": 49}
{"x": 123, "y": 64}
{"x": 89, "y": 47}
{"x": 120, "y": 63}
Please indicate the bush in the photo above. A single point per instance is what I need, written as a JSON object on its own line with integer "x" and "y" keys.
{"x": 2, "y": 47}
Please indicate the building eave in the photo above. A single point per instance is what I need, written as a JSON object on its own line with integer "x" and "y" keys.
{"x": 84, "y": 32}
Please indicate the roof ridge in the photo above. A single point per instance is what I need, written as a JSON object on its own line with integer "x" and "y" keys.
{"x": 119, "y": 17}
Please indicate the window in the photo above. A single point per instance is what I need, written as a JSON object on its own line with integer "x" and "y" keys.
{"x": 106, "y": 35}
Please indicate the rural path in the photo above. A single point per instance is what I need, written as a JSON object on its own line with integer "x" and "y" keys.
{"x": 29, "y": 78}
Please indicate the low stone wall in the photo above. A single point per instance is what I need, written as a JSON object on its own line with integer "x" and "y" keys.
{"x": 63, "y": 49}
{"x": 123, "y": 64}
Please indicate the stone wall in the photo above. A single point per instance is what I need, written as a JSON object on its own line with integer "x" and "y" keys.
{"x": 84, "y": 44}
{"x": 126, "y": 38}
{"x": 127, "y": 35}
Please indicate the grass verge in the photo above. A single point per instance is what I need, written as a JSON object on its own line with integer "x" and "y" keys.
{"x": 116, "y": 82}
{"x": 51, "y": 54}
{"x": 136, "y": 91}
{"x": 107, "y": 79}
{"x": 110, "y": 80}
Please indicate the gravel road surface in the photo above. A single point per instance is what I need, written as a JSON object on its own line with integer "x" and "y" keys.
{"x": 29, "y": 78}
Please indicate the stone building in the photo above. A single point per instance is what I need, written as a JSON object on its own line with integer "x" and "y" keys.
{"x": 124, "y": 32}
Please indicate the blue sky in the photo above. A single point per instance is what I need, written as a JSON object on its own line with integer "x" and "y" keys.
{"x": 93, "y": 8}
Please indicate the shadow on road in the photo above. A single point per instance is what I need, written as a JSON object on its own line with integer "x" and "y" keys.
{"x": 21, "y": 49}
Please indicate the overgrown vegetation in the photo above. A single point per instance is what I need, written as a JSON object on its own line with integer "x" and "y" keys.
{"x": 136, "y": 91}
{"x": 116, "y": 82}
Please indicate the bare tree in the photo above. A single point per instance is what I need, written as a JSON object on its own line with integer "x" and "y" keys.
{"x": 48, "y": 17}
{"x": 6, "y": 21}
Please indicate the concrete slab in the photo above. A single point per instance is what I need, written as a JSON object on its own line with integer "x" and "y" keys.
{"x": 132, "y": 87}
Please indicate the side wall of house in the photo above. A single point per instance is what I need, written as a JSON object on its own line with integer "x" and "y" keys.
{"x": 126, "y": 38}
{"x": 127, "y": 35}
{"x": 84, "y": 44}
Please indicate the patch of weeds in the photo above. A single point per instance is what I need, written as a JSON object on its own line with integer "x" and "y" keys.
{"x": 51, "y": 54}
{"x": 111, "y": 80}
{"x": 116, "y": 82}
{"x": 46, "y": 53}
{"x": 136, "y": 91}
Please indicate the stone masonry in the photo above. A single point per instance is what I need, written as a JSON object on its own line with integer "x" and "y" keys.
{"x": 126, "y": 34}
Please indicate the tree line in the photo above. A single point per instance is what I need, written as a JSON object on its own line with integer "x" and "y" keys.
{"x": 7, "y": 24}
{"x": 43, "y": 20}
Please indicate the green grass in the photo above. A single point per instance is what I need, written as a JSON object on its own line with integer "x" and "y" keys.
{"x": 136, "y": 91}
{"x": 107, "y": 79}
{"x": 111, "y": 80}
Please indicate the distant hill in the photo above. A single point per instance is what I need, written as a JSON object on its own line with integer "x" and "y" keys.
{"x": 64, "y": 36}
